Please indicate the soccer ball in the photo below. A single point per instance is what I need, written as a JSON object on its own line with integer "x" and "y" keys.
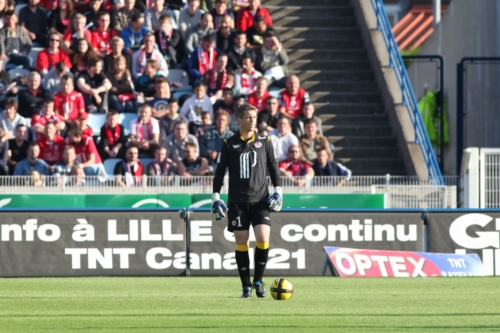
{"x": 281, "y": 289}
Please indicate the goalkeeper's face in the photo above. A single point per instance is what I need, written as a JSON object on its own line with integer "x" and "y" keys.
{"x": 249, "y": 121}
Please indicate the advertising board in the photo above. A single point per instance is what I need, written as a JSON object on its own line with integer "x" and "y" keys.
{"x": 86, "y": 243}
{"x": 381, "y": 263}
{"x": 463, "y": 232}
{"x": 298, "y": 238}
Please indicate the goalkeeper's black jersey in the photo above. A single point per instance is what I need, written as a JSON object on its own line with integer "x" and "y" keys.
{"x": 247, "y": 162}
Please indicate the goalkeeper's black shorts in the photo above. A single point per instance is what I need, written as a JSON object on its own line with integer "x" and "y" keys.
{"x": 241, "y": 215}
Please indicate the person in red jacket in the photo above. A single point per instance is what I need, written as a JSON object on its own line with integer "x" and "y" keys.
{"x": 68, "y": 102}
{"x": 76, "y": 31}
{"x": 259, "y": 97}
{"x": 82, "y": 122}
{"x": 86, "y": 151}
{"x": 51, "y": 145}
{"x": 245, "y": 17}
{"x": 294, "y": 168}
{"x": 101, "y": 36}
{"x": 293, "y": 98}
{"x": 50, "y": 56}
{"x": 46, "y": 114}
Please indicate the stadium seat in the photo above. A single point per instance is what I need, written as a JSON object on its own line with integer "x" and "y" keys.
{"x": 178, "y": 94}
{"x": 18, "y": 8}
{"x": 109, "y": 167}
{"x": 18, "y": 72}
{"x": 176, "y": 75}
{"x": 146, "y": 161}
{"x": 96, "y": 121}
{"x": 275, "y": 92}
{"x": 182, "y": 96}
{"x": 125, "y": 119}
{"x": 34, "y": 54}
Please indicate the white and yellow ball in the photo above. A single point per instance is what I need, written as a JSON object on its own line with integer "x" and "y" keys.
{"x": 281, "y": 289}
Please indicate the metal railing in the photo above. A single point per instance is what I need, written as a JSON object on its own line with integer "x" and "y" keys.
{"x": 480, "y": 176}
{"x": 409, "y": 100}
{"x": 489, "y": 179}
{"x": 401, "y": 191}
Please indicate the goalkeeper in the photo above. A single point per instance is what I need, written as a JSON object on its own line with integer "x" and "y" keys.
{"x": 247, "y": 156}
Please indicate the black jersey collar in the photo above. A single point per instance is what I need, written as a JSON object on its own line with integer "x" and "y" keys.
{"x": 252, "y": 139}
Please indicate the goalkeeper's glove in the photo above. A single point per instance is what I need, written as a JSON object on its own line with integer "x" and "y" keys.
{"x": 219, "y": 209}
{"x": 275, "y": 201}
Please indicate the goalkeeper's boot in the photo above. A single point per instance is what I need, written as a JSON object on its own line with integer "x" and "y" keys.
{"x": 247, "y": 292}
{"x": 260, "y": 291}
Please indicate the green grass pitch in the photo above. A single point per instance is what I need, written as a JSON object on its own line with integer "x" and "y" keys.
{"x": 194, "y": 304}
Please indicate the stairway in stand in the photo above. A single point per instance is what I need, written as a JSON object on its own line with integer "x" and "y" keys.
{"x": 327, "y": 53}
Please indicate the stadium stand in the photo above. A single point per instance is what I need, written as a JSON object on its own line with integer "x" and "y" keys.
{"x": 315, "y": 47}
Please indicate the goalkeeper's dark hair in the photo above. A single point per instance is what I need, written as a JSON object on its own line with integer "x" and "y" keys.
{"x": 241, "y": 110}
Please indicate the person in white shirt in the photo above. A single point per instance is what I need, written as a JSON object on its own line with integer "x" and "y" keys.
{"x": 145, "y": 131}
{"x": 148, "y": 52}
{"x": 176, "y": 142}
{"x": 10, "y": 119}
{"x": 245, "y": 80}
{"x": 196, "y": 104}
{"x": 283, "y": 138}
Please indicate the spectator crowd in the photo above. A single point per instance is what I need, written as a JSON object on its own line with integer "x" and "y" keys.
{"x": 113, "y": 57}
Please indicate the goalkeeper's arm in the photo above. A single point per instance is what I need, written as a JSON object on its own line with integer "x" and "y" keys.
{"x": 220, "y": 167}
{"x": 276, "y": 200}
{"x": 218, "y": 207}
{"x": 272, "y": 164}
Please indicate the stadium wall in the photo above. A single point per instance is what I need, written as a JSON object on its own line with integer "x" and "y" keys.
{"x": 467, "y": 29}
{"x": 135, "y": 242}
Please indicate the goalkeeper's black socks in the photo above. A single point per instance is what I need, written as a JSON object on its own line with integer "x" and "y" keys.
{"x": 243, "y": 263}
{"x": 261, "y": 254}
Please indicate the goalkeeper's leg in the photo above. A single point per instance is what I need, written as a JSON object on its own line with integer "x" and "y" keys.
{"x": 243, "y": 261}
{"x": 262, "y": 230}
{"x": 239, "y": 224}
